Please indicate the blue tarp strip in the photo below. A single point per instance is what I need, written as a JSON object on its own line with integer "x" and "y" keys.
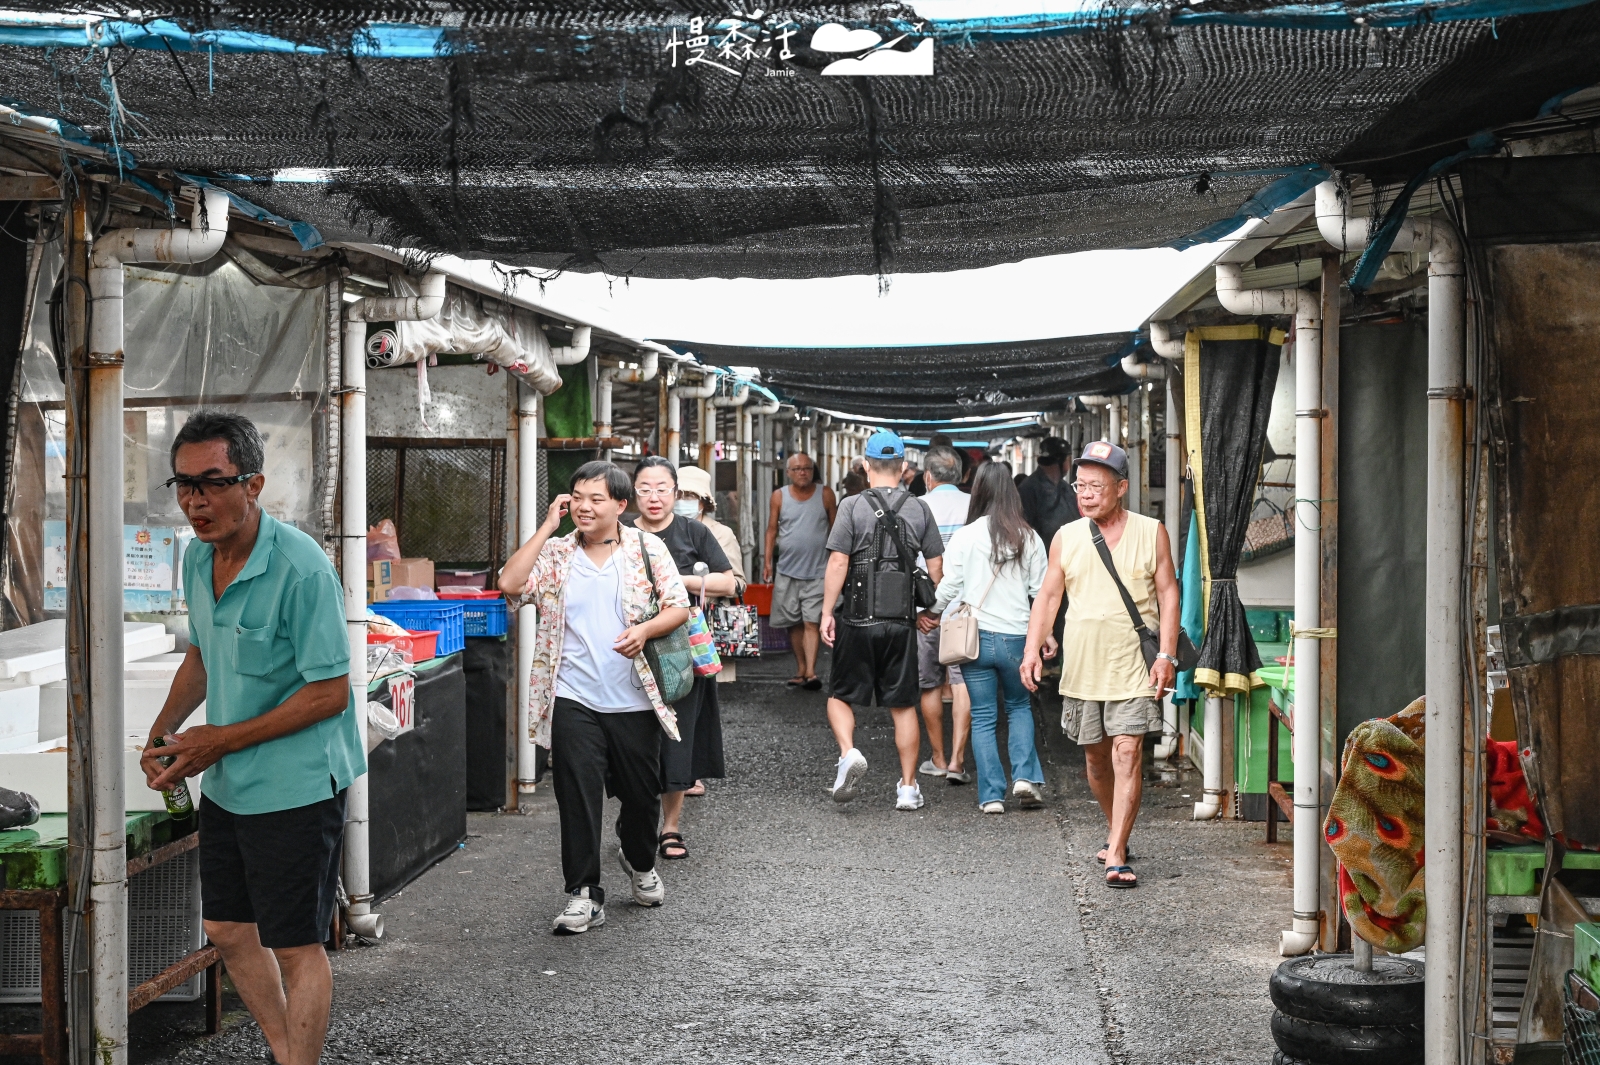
{"x": 1294, "y": 183}
{"x": 379, "y": 40}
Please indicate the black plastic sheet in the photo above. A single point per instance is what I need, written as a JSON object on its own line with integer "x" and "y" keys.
{"x": 489, "y": 663}
{"x": 419, "y": 782}
{"x": 1229, "y": 375}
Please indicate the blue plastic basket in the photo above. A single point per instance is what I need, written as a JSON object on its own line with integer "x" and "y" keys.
{"x": 423, "y": 615}
{"x": 484, "y": 617}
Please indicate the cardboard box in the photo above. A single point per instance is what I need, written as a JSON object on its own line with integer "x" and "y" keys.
{"x": 412, "y": 573}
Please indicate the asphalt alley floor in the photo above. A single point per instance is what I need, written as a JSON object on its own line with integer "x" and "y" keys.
{"x": 803, "y": 931}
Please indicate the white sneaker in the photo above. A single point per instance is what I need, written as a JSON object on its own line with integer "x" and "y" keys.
{"x": 851, "y": 766}
{"x": 908, "y": 796}
{"x": 930, "y": 769}
{"x": 994, "y": 806}
{"x": 648, "y": 890}
{"x": 580, "y": 915}
{"x": 1026, "y": 792}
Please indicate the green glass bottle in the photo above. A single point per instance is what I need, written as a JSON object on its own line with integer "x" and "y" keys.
{"x": 179, "y": 804}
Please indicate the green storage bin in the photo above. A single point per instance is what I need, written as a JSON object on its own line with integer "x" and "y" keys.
{"x": 1266, "y": 626}
{"x": 1515, "y": 870}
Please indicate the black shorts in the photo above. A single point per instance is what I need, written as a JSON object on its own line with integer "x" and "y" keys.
{"x": 875, "y": 663}
{"x": 278, "y": 871}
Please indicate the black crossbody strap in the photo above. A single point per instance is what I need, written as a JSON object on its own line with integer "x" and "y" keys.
{"x": 1127, "y": 600}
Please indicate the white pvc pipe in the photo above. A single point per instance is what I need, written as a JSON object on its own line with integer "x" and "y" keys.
{"x": 746, "y": 480}
{"x": 1171, "y": 348}
{"x": 675, "y": 397}
{"x": 1144, "y": 371}
{"x": 357, "y": 867}
{"x": 1211, "y": 771}
{"x": 108, "y": 892}
{"x": 528, "y": 520}
{"x": 609, "y": 375}
{"x": 1307, "y": 733}
{"x": 1442, "y": 672}
{"x": 573, "y": 353}
{"x": 741, "y": 393}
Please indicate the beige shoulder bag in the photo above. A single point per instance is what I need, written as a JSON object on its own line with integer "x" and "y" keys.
{"x": 958, "y": 630}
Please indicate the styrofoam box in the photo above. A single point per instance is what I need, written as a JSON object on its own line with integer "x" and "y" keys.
{"x": 42, "y": 773}
{"x": 163, "y": 926}
{"x": 37, "y": 654}
{"x": 144, "y": 693}
{"x": 19, "y": 717}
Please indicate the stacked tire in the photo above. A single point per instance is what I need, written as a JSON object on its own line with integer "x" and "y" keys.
{"x": 1330, "y": 1014}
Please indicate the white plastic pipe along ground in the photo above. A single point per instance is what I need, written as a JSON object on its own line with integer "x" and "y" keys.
{"x": 675, "y": 397}
{"x": 1442, "y": 673}
{"x": 1211, "y": 771}
{"x": 1307, "y": 311}
{"x": 108, "y": 892}
{"x": 357, "y": 844}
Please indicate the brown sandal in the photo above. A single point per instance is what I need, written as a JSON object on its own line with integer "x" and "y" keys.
{"x": 671, "y": 841}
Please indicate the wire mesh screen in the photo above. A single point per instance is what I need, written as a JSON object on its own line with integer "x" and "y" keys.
{"x": 447, "y": 499}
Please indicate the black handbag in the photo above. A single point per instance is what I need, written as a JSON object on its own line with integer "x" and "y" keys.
{"x": 1149, "y": 643}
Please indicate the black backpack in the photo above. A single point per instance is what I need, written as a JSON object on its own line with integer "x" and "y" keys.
{"x": 886, "y": 585}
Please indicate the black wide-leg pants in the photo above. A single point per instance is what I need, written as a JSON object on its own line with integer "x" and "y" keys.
{"x": 596, "y": 755}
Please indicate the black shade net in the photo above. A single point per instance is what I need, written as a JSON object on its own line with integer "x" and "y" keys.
{"x": 1235, "y": 381}
{"x": 559, "y": 135}
{"x": 954, "y": 381}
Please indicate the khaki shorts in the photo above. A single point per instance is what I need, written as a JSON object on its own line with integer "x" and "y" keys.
{"x": 795, "y": 601}
{"x": 1086, "y": 721}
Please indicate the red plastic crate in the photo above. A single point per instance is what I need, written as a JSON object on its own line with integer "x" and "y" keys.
{"x": 420, "y": 644}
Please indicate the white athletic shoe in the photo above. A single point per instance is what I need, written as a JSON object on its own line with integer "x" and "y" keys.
{"x": 908, "y": 796}
{"x": 929, "y": 769}
{"x": 851, "y": 766}
{"x": 648, "y": 890}
{"x": 580, "y": 915}
{"x": 993, "y": 806}
{"x": 1026, "y": 793}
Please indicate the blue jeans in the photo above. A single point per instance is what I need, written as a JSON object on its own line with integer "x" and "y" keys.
{"x": 997, "y": 670}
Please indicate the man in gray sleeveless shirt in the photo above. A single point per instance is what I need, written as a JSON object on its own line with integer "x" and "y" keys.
{"x": 802, "y": 513}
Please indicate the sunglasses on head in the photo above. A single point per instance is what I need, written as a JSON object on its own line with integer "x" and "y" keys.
{"x": 190, "y": 485}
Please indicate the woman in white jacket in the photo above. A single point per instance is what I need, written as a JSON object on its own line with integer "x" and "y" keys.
{"x": 996, "y": 564}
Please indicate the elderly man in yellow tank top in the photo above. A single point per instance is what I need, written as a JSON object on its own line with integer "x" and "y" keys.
{"x": 1109, "y": 696}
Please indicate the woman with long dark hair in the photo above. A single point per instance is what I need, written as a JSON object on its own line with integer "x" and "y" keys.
{"x": 697, "y": 754}
{"x": 996, "y": 565}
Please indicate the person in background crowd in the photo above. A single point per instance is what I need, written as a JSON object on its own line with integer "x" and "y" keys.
{"x": 909, "y": 476}
{"x": 591, "y": 695}
{"x": 854, "y": 484}
{"x": 697, "y": 754}
{"x": 269, "y": 656}
{"x": 694, "y": 484}
{"x": 1048, "y": 503}
{"x": 801, "y": 514}
{"x": 1110, "y": 699}
{"x": 997, "y": 563}
{"x": 875, "y": 657}
{"x": 948, "y": 505}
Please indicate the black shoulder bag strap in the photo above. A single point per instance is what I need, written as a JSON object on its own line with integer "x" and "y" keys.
{"x": 1149, "y": 642}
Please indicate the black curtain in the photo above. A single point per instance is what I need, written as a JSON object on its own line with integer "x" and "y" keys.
{"x": 1229, "y": 377}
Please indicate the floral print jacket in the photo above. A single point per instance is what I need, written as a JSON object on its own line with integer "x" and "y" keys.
{"x": 546, "y": 592}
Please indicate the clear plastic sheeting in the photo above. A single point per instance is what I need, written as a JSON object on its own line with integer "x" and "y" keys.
{"x": 473, "y": 324}
{"x": 194, "y": 336}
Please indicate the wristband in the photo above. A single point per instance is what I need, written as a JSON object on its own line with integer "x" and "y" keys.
{"x": 1163, "y": 655}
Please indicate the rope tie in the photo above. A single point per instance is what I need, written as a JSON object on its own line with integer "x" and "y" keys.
{"x": 1295, "y": 632}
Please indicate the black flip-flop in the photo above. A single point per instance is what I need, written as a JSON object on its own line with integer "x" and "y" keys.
{"x": 795, "y": 682}
{"x": 1117, "y": 871}
{"x": 1127, "y": 851}
{"x": 674, "y": 840}
{"x": 813, "y": 684}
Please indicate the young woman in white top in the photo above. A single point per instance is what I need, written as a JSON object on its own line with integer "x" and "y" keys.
{"x": 997, "y": 545}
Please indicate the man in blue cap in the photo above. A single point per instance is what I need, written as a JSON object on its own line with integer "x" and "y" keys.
{"x": 871, "y": 550}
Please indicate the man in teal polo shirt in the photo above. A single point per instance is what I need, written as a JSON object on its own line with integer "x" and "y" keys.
{"x": 270, "y": 658}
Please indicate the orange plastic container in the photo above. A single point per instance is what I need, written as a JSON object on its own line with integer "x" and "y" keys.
{"x": 420, "y": 644}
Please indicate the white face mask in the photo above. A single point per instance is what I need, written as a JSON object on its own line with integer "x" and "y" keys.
{"x": 686, "y": 508}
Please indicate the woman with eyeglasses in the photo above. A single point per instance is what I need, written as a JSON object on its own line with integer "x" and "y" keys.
{"x": 996, "y": 564}
{"x": 697, "y": 753}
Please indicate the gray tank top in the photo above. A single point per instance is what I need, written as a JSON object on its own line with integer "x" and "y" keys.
{"x": 802, "y": 536}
